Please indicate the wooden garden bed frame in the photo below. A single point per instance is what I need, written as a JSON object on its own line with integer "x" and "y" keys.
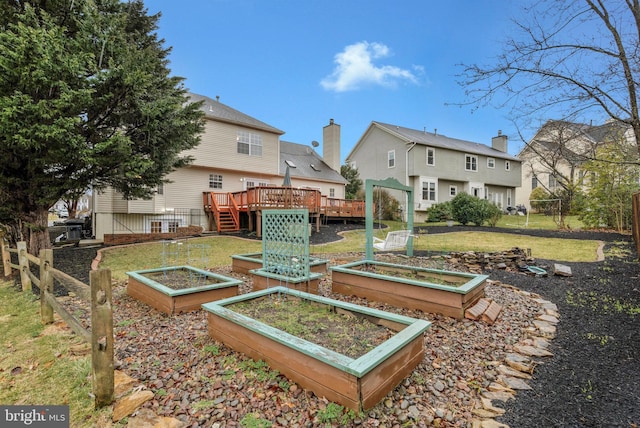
{"x": 172, "y": 301}
{"x": 243, "y": 263}
{"x": 402, "y": 292}
{"x": 358, "y": 384}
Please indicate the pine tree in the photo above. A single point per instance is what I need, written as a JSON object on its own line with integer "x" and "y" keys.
{"x": 86, "y": 100}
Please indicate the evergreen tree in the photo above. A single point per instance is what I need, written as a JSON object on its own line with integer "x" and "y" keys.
{"x": 355, "y": 183}
{"x": 86, "y": 100}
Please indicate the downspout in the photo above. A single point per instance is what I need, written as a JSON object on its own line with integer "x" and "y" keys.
{"x": 406, "y": 178}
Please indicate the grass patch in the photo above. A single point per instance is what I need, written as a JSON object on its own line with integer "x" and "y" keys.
{"x": 36, "y": 365}
{"x": 569, "y": 250}
{"x": 200, "y": 253}
{"x": 219, "y": 249}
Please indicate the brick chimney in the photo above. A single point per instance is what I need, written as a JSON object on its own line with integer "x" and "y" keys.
{"x": 331, "y": 145}
{"x": 500, "y": 142}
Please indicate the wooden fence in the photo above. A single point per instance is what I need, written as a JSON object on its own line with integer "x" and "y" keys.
{"x": 98, "y": 294}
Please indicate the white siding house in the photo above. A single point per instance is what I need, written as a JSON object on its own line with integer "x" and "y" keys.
{"x": 236, "y": 152}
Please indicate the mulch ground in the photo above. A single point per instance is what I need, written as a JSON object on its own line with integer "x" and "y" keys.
{"x": 593, "y": 379}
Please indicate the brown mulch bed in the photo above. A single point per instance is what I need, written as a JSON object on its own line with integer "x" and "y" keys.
{"x": 591, "y": 381}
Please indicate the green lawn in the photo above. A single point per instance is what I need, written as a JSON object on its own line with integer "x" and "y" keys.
{"x": 38, "y": 364}
{"x": 216, "y": 251}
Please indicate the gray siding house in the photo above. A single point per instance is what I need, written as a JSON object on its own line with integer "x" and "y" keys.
{"x": 435, "y": 166}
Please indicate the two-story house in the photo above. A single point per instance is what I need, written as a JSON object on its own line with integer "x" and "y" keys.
{"x": 553, "y": 159}
{"x": 435, "y": 166}
{"x": 237, "y": 152}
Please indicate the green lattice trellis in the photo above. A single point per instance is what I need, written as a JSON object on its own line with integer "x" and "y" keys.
{"x": 285, "y": 242}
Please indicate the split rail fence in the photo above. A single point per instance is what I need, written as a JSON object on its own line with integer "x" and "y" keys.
{"x": 98, "y": 294}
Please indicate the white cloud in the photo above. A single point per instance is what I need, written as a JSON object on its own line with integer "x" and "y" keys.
{"x": 355, "y": 68}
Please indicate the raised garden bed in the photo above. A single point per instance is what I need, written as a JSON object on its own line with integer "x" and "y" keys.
{"x": 179, "y": 288}
{"x": 356, "y": 382}
{"x": 429, "y": 290}
{"x": 243, "y": 263}
{"x": 263, "y": 280}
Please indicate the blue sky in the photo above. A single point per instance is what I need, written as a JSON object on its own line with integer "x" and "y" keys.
{"x": 295, "y": 64}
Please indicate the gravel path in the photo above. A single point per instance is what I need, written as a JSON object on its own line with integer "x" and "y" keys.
{"x": 591, "y": 381}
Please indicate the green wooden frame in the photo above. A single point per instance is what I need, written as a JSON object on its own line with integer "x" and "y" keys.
{"x": 389, "y": 183}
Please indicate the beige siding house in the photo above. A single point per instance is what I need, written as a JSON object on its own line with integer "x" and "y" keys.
{"x": 435, "y": 166}
{"x": 554, "y": 157}
{"x": 236, "y": 152}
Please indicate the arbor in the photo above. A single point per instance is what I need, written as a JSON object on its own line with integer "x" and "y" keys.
{"x": 579, "y": 57}
{"x": 85, "y": 100}
{"x": 353, "y": 177}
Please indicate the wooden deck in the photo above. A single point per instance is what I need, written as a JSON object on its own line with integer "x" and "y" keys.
{"x": 226, "y": 210}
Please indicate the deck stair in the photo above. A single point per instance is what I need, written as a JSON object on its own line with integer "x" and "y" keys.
{"x": 226, "y": 222}
{"x": 223, "y": 210}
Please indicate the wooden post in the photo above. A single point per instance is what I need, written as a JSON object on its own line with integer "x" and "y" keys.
{"x": 23, "y": 262}
{"x": 102, "y": 337}
{"x": 6, "y": 256}
{"x": 46, "y": 285}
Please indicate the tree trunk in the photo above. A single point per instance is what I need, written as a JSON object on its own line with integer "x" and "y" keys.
{"x": 35, "y": 231}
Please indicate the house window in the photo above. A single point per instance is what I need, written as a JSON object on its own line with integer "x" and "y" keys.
{"x": 215, "y": 181}
{"x": 429, "y": 191}
{"x": 453, "y": 190}
{"x": 160, "y": 189}
{"x": 470, "y": 162}
{"x": 172, "y": 226}
{"x": 332, "y": 192}
{"x": 156, "y": 227}
{"x": 391, "y": 158}
{"x": 491, "y": 163}
{"x": 249, "y": 144}
{"x": 254, "y": 182}
{"x": 553, "y": 182}
{"x": 509, "y": 203}
{"x": 431, "y": 156}
{"x": 534, "y": 182}
{"x": 507, "y": 165}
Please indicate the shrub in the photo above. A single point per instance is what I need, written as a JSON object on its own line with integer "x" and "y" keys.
{"x": 386, "y": 206}
{"x": 538, "y": 199}
{"x": 464, "y": 207}
{"x": 493, "y": 214}
{"x": 440, "y": 212}
{"x": 469, "y": 209}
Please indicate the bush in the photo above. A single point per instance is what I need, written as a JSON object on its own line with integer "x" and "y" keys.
{"x": 494, "y": 214}
{"x": 386, "y": 206}
{"x": 538, "y": 199}
{"x": 440, "y": 212}
{"x": 469, "y": 209}
{"x": 463, "y": 208}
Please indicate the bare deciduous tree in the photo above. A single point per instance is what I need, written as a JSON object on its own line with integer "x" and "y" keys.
{"x": 577, "y": 57}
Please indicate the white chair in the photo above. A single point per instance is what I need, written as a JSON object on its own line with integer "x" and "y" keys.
{"x": 395, "y": 240}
